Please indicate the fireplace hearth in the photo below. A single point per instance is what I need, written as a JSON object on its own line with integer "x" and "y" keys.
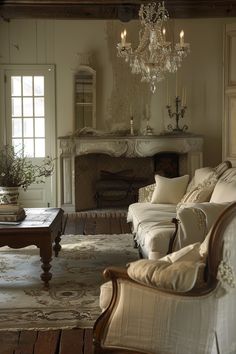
{"x": 85, "y": 159}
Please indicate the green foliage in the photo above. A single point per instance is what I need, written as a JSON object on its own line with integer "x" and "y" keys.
{"x": 19, "y": 171}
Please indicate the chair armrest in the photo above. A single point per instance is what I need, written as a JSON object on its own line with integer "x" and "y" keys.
{"x": 145, "y": 193}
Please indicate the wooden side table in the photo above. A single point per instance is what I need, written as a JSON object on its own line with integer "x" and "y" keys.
{"x": 42, "y": 227}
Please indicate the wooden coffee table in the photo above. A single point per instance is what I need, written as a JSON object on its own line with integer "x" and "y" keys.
{"x": 41, "y": 227}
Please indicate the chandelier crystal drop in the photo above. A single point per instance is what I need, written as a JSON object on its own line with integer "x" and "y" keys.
{"x": 154, "y": 56}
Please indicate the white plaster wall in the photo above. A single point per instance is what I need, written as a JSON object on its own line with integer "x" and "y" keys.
{"x": 58, "y": 42}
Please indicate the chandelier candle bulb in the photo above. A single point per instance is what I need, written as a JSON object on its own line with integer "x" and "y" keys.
{"x": 181, "y": 35}
{"x": 123, "y": 38}
{"x": 164, "y": 34}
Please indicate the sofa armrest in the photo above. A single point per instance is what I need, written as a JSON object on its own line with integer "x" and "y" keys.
{"x": 195, "y": 220}
{"x": 145, "y": 193}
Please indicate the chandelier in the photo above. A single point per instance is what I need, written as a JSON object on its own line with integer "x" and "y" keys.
{"x": 154, "y": 56}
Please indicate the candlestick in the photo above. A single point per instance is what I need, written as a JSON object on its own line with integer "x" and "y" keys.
{"x": 179, "y": 113}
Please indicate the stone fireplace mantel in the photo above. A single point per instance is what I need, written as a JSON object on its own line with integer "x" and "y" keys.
{"x": 187, "y": 145}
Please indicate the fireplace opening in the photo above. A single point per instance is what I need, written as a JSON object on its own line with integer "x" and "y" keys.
{"x": 107, "y": 181}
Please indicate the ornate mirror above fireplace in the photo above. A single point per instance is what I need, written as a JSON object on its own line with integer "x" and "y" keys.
{"x": 85, "y": 97}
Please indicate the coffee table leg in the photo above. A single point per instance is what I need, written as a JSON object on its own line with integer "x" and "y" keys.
{"x": 46, "y": 257}
{"x": 57, "y": 246}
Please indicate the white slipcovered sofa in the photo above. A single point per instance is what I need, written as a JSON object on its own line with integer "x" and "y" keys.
{"x": 151, "y": 217}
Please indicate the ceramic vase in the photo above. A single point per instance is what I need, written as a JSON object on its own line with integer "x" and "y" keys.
{"x": 9, "y": 195}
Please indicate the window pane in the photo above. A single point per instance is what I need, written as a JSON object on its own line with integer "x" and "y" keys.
{"x": 39, "y": 107}
{"x": 16, "y": 107}
{"x": 39, "y": 147}
{"x": 27, "y": 86}
{"x": 27, "y": 106}
{"x": 17, "y": 144}
{"x": 16, "y": 85}
{"x": 39, "y": 127}
{"x": 16, "y": 127}
{"x": 28, "y": 127}
{"x": 29, "y": 147}
{"x": 39, "y": 86}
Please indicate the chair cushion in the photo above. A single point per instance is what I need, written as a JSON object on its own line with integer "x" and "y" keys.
{"x": 169, "y": 190}
{"x": 178, "y": 271}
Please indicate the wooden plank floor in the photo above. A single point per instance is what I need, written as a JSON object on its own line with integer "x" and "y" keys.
{"x": 75, "y": 341}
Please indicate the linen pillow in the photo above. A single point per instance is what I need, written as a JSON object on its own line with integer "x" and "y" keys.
{"x": 201, "y": 193}
{"x": 169, "y": 190}
{"x": 178, "y": 271}
{"x": 200, "y": 175}
{"x": 224, "y": 192}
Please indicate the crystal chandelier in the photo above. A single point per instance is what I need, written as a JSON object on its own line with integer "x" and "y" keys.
{"x": 154, "y": 56}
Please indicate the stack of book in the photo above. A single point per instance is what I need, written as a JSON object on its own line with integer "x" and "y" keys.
{"x": 11, "y": 212}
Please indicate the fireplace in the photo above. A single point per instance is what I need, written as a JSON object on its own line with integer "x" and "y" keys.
{"x": 85, "y": 161}
{"x": 107, "y": 181}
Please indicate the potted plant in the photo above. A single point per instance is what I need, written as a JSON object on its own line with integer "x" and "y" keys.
{"x": 17, "y": 171}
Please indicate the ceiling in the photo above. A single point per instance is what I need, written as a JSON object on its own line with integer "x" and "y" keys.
{"x": 111, "y": 9}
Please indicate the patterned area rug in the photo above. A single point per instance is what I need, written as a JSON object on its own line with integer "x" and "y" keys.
{"x": 73, "y": 297}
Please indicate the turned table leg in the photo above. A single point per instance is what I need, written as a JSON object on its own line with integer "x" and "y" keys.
{"x": 46, "y": 257}
{"x": 57, "y": 246}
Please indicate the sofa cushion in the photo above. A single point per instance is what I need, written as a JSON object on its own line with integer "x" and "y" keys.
{"x": 169, "y": 190}
{"x": 140, "y": 213}
{"x": 179, "y": 272}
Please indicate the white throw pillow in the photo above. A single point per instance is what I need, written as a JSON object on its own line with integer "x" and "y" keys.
{"x": 169, "y": 190}
{"x": 201, "y": 193}
{"x": 224, "y": 192}
{"x": 178, "y": 271}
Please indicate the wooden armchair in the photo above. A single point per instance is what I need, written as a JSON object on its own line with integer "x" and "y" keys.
{"x": 145, "y": 319}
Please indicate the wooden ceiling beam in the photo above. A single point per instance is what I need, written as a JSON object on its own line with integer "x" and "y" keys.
{"x": 111, "y": 9}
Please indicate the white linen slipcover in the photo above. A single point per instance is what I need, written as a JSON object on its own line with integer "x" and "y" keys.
{"x": 153, "y": 321}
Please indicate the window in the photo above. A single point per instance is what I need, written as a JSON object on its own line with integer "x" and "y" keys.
{"x": 28, "y": 114}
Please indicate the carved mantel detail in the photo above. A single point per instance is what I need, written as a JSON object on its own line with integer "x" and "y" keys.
{"x": 187, "y": 145}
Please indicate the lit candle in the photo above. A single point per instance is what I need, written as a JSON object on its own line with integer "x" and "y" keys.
{"x": 181, "y": 35}
{"x": 167, "y": 92}
{"x": 147, "y": 111}
{"x": 164, "y": 34}
{"x": 185, "y": 97}
{"x": 176, "y": 85}
{"x": 131, "y": 110}
{"x": 123, "y": 38}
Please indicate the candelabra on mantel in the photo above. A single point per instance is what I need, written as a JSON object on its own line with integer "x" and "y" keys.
{"x": 179, "y": 113}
